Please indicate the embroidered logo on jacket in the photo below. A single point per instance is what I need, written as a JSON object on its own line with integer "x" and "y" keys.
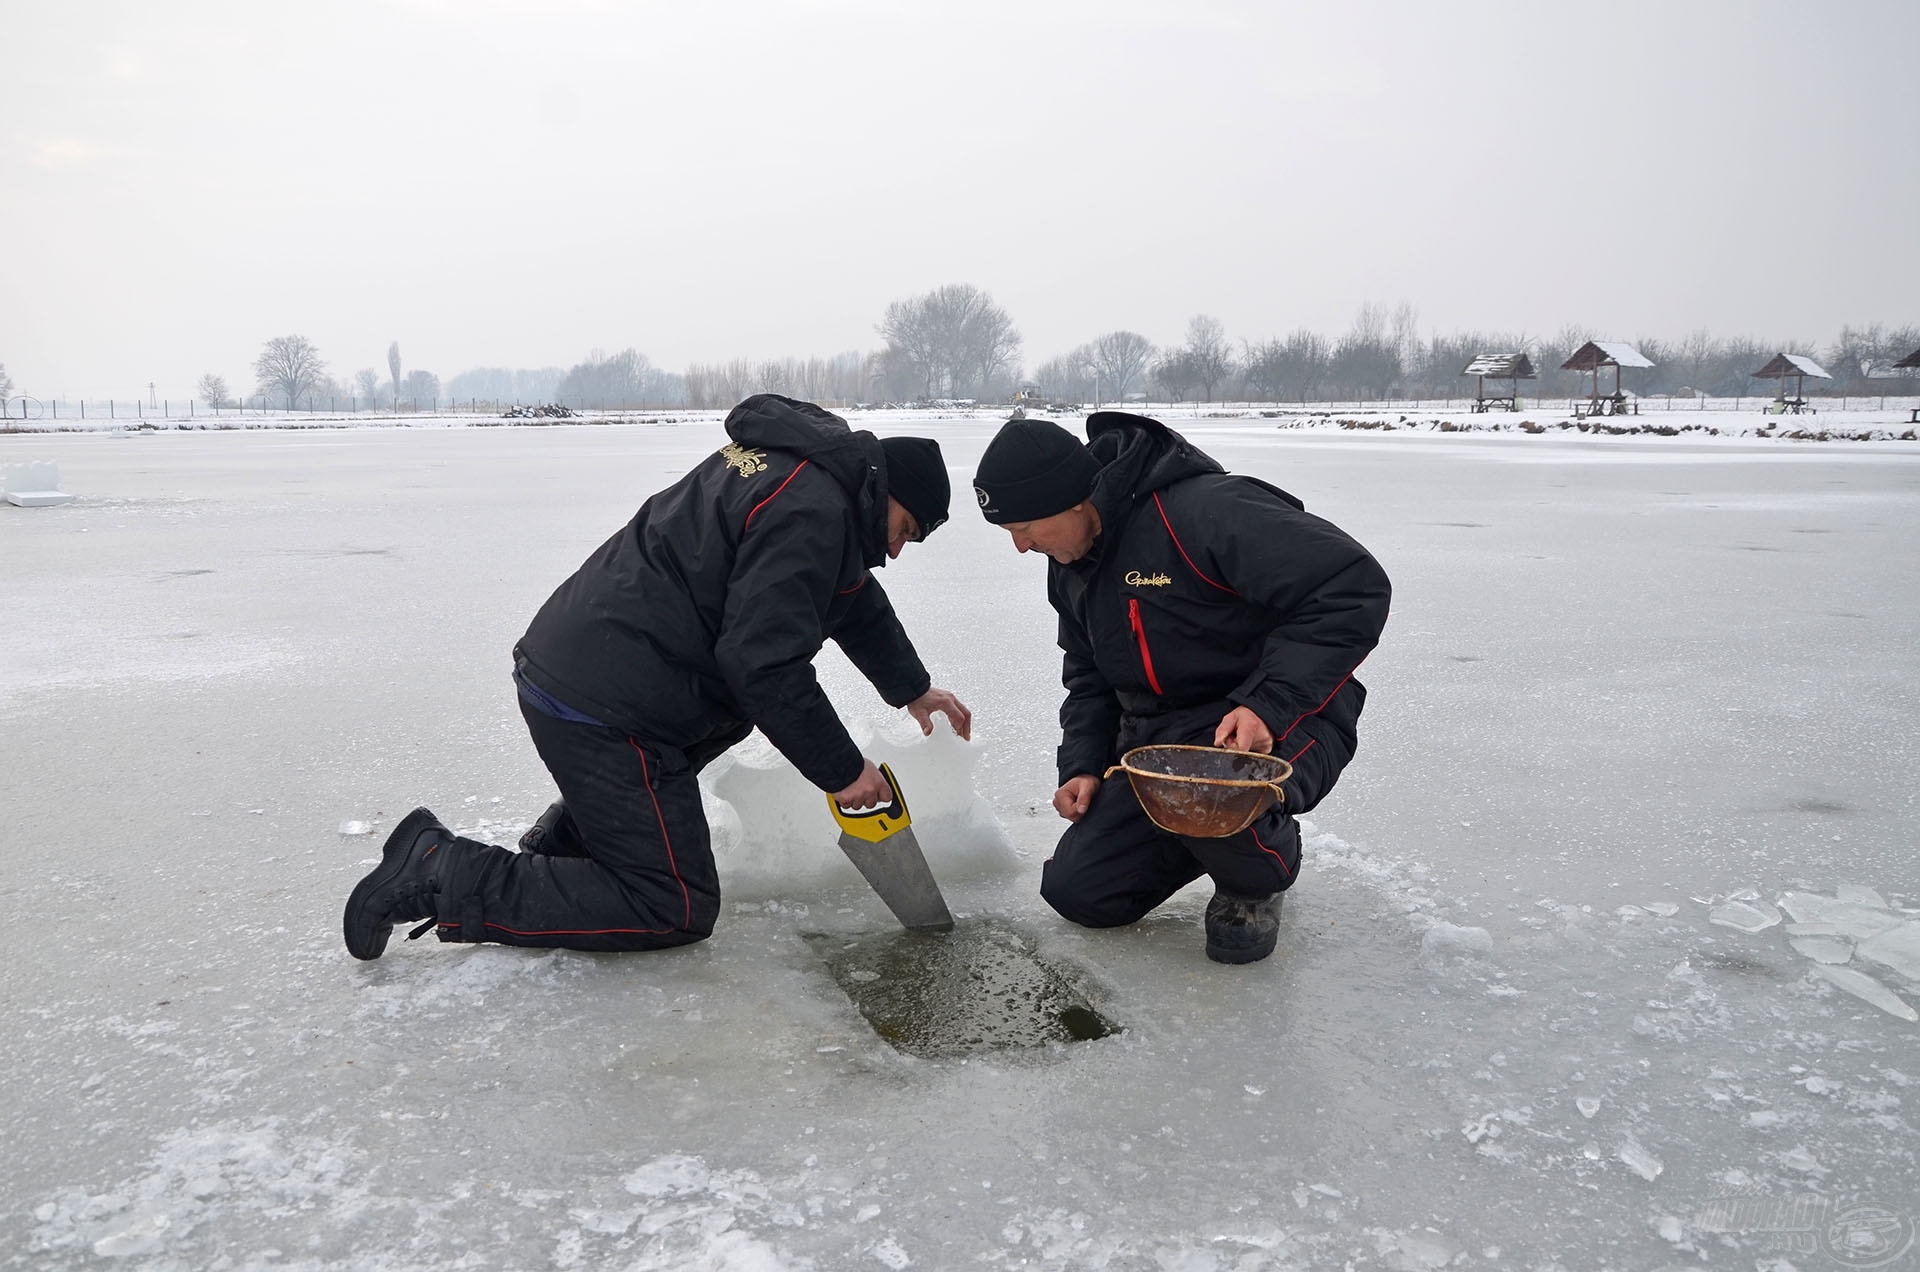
{"x": 745, "y": 462}
{"x": 1137, "y": 579}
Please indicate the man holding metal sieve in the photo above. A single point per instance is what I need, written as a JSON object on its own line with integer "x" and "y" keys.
{"x": 1196, "y": 607}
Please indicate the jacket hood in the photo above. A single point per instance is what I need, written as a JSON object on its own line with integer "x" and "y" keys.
{"x": 853, "y": 458}
{"x": 1138, "y": 456}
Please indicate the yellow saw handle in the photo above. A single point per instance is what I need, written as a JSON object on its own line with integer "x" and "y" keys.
{"x": 874, "y": 824}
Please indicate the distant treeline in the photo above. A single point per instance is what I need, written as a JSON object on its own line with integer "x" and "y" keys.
{"x": 955, "y": 343}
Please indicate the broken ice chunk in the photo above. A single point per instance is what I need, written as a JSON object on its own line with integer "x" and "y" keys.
{"x": 1822, "y": 949}
{"x": 1665, "y": 909}
{"x": 1849, "y": 918}
{"x": 1896, "y": 948}
{"x": 1744, "y": 916}
{"x": 1859, "y": 894}
{"x": 1639, "y": 1160}
{"x": 356, "y": 828}
{"x": 1587, "y": 1105}
{"x": 1867, "y": 989}
{"x": 1443, "y": 939}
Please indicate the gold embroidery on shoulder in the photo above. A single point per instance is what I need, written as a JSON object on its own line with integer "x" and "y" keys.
{"x": 745, "y": 462}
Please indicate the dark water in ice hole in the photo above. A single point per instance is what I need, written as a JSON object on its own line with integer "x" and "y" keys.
{"x": 980, "y": 987}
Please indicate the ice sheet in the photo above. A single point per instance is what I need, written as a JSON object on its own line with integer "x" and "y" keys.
{"x": 1620, "y": 673}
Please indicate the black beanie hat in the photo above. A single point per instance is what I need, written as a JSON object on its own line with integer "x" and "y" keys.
{"x": 1032, "y": 469}
{"x": 917, "y": 477}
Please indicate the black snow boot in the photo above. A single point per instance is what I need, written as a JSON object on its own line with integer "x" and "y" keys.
{"x": 1242, "y": 929}
{"x": 402, "y": 888}
{"x": 554, "y": 834}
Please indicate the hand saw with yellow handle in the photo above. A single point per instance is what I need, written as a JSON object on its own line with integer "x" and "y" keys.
{"x": 881, "y": 844}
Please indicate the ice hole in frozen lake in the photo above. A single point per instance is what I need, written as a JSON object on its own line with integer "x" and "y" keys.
{"x": 980, "y": 987}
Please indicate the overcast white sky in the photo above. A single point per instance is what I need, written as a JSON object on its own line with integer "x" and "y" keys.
{"x": 508, "y": 183}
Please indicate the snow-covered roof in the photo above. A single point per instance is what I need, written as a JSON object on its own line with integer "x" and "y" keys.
{"x": 1505, "y": 366}
{"x": 1786, "y": 364}
{"x": 1605, "y": 353}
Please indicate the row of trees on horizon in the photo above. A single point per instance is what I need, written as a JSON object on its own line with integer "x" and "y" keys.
{"x": 956, "y": 343}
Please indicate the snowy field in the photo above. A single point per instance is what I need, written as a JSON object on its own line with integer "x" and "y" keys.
{"x": 1606, "y": 953}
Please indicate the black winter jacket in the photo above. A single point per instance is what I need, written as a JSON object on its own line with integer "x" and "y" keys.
{"x": 701, "y": 617}
{"x": 1206, "y": 590}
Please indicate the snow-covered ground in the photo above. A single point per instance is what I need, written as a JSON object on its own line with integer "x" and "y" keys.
{"x": 1604, "y": 955}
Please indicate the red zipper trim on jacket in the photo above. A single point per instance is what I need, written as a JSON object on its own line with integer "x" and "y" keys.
{"x": 1182, "y": 549}
{"x": 1140, "y": 634}
{"x": 748, "y": 523}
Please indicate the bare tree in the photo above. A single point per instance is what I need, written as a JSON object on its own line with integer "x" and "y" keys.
{"x": 1118, "y": 358}
{"x": 366, "y": 384}
{"x": 1067, "y": 378}
{"x": 423, "y": 386}
{"x": 289, "y": 365}
{"x": 393, "y": 371}
{"x": 954, "y": 337}
{"x": 1176, "y": 373}
{"x": 627, "y": 378}
{"x": 1209, "y": 356}
{"x": 213, "y": 389}
{"x": 6, "y": 383}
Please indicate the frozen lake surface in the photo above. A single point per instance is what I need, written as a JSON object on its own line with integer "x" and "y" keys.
{"x": 1605, "y": 954}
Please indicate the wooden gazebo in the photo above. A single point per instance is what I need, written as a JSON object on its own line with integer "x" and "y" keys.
{"x": 1597, "y": 354}
{"x": 1795, "y": 367}
{"x": 1910, "y": 363}
{"x": 1511, "y": 367}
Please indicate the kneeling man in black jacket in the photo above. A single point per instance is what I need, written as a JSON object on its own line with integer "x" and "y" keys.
{"x": 696, "y": 622}
{"x": 1196, "y": 607}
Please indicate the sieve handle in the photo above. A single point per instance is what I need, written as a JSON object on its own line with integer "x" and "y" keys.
{"x": 1118, "y": 768}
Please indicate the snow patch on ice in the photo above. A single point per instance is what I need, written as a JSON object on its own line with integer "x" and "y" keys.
{"x": 195, "y": 1176}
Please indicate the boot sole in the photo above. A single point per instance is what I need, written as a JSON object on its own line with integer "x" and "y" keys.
{"x": 393, "y": 860}
{"x": 1251, "y": 954}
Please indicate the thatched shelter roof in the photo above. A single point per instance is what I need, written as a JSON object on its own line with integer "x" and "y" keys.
{"x": 1501, "y": 366}
{"x": 1909, "y": 363}
{"x": 1604, "y": 353}
{"x": 1786, "y": 364}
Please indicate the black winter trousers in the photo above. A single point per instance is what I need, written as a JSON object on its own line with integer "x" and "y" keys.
{"x": 643, "y": 877}
{"x": 1113, "y": 866}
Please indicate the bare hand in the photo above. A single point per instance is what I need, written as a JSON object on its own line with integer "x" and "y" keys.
{"x": 869, "y": 790}
{"x": 1241, "y": 730}
{"x": 923, "y": 707}
{"x": 1071, "y": 800}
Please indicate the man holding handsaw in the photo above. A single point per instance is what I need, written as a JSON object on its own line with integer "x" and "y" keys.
{"x": 695, "y": 623}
